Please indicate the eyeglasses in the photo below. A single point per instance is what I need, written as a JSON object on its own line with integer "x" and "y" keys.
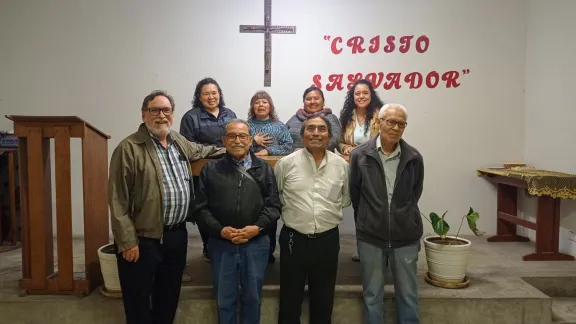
{"x": 320, "y": 128}
{"x": 393, "y": 123}
{"x": 232, "y": 137}
{"x": 156, "y": 111}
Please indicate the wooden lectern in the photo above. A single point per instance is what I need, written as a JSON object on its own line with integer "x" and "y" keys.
{"x": 34, "y": 134}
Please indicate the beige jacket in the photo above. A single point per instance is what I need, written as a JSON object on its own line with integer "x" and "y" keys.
{"x": 135, "y": 194}
{"x": 347, "y": 138}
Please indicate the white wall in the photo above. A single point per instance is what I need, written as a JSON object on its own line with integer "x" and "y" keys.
{"x": 98, "y": 59}
{"x": 550, "y": 103}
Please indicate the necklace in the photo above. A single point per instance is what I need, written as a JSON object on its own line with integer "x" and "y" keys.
{"x": 361, "y": 120}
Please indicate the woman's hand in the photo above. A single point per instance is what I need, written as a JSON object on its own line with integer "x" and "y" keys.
{"x": 262, "y": 140}
{"x": 264, "y": 152}
{"x": 348, "y": 150}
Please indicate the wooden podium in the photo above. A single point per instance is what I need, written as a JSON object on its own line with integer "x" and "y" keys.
{"x": 34, "y": 134}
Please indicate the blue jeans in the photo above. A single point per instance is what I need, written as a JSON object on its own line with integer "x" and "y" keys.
{"x": 234, "y": 267}
{"x": 402, "y": 261}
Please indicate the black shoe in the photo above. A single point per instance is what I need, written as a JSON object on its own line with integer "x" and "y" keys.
{"x": 205, "y": 253}
{"x": 271, "y": 259}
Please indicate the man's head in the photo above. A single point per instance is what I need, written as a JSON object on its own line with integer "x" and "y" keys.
{"x": 392, "y": 120}
{"x": 158, "y": 112}
{"x": 316, "y": 132}
{"x": 237, "y": 139}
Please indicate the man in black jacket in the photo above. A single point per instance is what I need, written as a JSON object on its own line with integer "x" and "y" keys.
{"x": 237, "y": 200}
{"x": 386, "y": 180}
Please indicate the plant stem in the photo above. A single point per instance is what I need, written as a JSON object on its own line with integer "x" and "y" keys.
{"x": 426, "y": 218}
{"x": 462, "y": 222}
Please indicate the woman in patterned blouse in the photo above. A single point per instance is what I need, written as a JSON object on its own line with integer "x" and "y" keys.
{"x": 271, "y": 137}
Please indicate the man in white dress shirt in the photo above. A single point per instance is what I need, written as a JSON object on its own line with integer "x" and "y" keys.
{"x": 313, "y": 188}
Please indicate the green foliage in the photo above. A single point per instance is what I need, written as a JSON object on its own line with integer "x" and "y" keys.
{"x": 441, "y": 227}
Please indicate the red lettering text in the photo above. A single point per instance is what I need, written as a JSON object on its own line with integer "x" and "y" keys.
{"x": 316, "y": 81}
{"x": 432, "y": 79}
{"x": 389, "y": 48}
{"x": 414, "y": 79}
{"x": 451, "y": 79}
{"x": 374, "y": 45}
{"x": 422, "y": 44}
{"x": 356, "y": 44}
{"x": 336, "y": 80}
{"x": 335, "y": 50}
{"x": 394, "y": 80}
{"x": 372, "y": 78}
{"x": 353, "y": 78}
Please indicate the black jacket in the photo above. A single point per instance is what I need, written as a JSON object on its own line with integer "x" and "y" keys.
{"x": 225, "y": 197}
{"x": 377, "y": 223}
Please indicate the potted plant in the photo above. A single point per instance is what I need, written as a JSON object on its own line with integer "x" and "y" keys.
{"x": 109, "y": 269}
{"x": 447, "y": 256}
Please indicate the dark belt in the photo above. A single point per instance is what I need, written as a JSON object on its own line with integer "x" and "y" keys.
{"x": 175, "y": 227}
{"x": 312, "y": 236}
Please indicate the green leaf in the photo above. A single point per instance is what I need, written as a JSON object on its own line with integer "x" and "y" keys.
{"x": 439, "y": 224}
{"x": 472, "y": 217}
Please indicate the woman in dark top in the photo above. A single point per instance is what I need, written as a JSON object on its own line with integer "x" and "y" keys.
{"x": 313, "y": 100}
{"x": 206, "y": 123}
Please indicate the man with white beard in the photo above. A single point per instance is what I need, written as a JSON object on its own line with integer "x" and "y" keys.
{"x": 150, "y": 198}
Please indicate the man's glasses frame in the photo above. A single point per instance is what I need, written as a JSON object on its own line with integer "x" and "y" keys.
{"x": 155, "y": 111}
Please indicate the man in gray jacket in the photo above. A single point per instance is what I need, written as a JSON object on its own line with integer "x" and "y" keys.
{"x": 386, "y": 180}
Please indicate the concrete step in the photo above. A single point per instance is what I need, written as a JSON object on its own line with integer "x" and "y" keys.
{"x": 564, "y": 310}
{"x": 486, "y": 301}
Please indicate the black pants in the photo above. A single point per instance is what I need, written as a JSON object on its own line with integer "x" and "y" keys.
{"x": 203, "y": 234}
{"x": 312, "y": 259}
{"x": 272, "y": 235}
{"x": 151, "y": 286}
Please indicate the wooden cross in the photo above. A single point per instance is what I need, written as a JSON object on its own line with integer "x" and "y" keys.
{"x": 267, "y": 29}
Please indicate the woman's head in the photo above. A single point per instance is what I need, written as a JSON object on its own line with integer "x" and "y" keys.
{"x": 262, "y": 107}
{"x": 208, "y": 95}
{"x": 360, "y": 96}
{"x": 313, "y": 100}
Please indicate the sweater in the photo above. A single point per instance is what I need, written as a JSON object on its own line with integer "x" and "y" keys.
{"x": 282, "y": 143}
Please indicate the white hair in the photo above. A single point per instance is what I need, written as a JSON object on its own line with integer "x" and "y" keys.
{"x": 392, "y": 106}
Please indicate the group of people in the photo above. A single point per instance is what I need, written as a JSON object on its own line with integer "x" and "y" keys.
{"x": 238, "y": 198}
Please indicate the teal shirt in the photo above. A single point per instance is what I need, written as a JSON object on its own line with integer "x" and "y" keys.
{"x": 282, "y": 143}
{"x": 389, "y": 166}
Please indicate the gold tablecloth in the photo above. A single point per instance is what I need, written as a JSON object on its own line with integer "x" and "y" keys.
{"x": 540, "y": 182}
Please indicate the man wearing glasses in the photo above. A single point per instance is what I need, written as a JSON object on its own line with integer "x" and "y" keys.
{"x": 386, "y": 180}
{"x": 150, "y": 197}
{"x": 237, "y": 202}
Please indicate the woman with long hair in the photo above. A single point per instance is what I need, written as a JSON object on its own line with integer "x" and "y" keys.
{"x": 359, "y": 116}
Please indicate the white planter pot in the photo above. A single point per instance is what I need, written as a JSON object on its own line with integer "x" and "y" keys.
{"x": 109, "y": 268}
{"x": 446, "y": 263}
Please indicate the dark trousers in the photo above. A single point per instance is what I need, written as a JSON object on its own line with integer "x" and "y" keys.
{"x": 203, "y": 234}
{"x": 239, "y": 265}
{"x": 151, "y": 285}
{"x": 313, "y": 259}
{"x": 272, "y": 236}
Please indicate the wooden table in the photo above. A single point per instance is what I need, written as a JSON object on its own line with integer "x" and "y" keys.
{"x": 271, "y": 159}
{"x": 12, "y": 234}
{"x": 547, "y": 225}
